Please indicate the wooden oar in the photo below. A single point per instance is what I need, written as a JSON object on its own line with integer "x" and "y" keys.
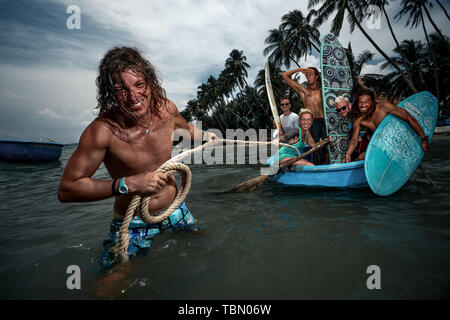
{"x": 252, "y": 184}
{"x": 272, "y": 103}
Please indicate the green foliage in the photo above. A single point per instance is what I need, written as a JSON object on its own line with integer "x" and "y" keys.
{"x": 229, "y": 102}
{"x": 421, "y": 66}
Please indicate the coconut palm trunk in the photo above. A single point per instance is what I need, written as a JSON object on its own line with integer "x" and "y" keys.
{"x": 432, "y": 22}
{"x": 396, "y": 41}
{"x": 407, "y": 80}
{"x": 445, "y": 11}
{"x": 432, "y": 57}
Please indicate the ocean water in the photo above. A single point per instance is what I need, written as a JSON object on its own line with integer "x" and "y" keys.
{"x": 276, "y": 242}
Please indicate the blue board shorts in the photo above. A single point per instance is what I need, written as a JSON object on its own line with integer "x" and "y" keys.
{"x": 142, "y": 234}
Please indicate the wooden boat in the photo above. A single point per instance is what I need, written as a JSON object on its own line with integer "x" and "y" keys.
{"x": 24, "y": 151}
{"x": 338, "y": 175}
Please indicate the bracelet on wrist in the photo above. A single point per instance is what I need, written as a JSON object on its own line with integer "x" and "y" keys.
{"x": 113, "y": 187}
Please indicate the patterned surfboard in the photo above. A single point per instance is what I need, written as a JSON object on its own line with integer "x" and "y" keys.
{"x": 395, "y": 149}
{"x": 336, "y": 81}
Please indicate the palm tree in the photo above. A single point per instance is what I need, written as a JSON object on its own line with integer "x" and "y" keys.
{"x": 227, "y": 83}
{"x": 356, "y": 12}
{"x": 193, "y": 111}
{"x": 236, "y": 71}
{"x": 208, "y": 102}
{"x": 421, "y": 64}
{"x": 445, "y": 11}
{"x": 414, "y": 9}
{"x": 357, "y": 63}
{"x": 415, "y": 58}
{"x": 251, "y": 99}
{"x": 236, "y": 66}
{"x": 279, "y": 86}
{"x": 382, "y": 4}
{"x": 302, "y": 36}
{"x": 441, "y": 51}
{"x": 217, "y": 91}
{"x": 279, "y": 48}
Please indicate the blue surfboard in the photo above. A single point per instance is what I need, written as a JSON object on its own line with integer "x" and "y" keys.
{"x": 395, "y": 149}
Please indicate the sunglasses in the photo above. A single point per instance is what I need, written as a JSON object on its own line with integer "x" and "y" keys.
{"x": 341, "y": 109}
{"x": 284, "y": 104}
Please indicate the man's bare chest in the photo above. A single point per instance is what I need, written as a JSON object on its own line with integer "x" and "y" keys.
{"x": 143, "y": 153}
{"x": 313, "y": 95}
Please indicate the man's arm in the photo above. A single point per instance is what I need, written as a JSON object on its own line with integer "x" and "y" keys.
{"x": 180, "y": 123}
{"x": 301, "y": 90}
{"x": 282, "y": 137}
{"x": 404, "y": 115}
{"x": 77, "y": 184}
{"x": 296, "y": 119}
{"x": 354, "y": 140}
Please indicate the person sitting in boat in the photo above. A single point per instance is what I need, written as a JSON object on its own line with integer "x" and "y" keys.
{"x": 300, "y": 138}
{"x": 368, "y": 113}
{"x": 289, "y": 120}
{"x": 344, "y": 108}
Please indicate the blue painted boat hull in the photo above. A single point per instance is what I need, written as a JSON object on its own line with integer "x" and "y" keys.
{"x": 23, "y": 151}
{"x": 339, "y": 175}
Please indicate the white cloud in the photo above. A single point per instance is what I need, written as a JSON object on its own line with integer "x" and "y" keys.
{"x": 375, "y": 68}
{"x": 52, "y": 91}
{"x": 185, "y": 40}
{"x": 46, "y": 102}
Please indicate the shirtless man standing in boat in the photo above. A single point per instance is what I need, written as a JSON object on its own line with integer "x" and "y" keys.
{"x": 312, "y": 100}
{"x": 132, "y": 136}
{"x": 369, "y": 113}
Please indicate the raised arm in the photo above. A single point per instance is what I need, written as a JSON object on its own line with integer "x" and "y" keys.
{"x": 301, "y": 90}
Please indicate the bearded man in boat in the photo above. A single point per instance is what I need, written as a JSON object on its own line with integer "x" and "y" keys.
{"x": 369, "y": 113}
{"x": 312, "y": 100}
{"x": 132, "y": 136}
{"x": 344, "y": 108}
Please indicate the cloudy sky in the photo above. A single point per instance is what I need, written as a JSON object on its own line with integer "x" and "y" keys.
{"x": 48, "y": 71}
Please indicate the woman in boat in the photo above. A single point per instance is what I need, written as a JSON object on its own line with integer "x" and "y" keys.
{"x": 299, "y": 138}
